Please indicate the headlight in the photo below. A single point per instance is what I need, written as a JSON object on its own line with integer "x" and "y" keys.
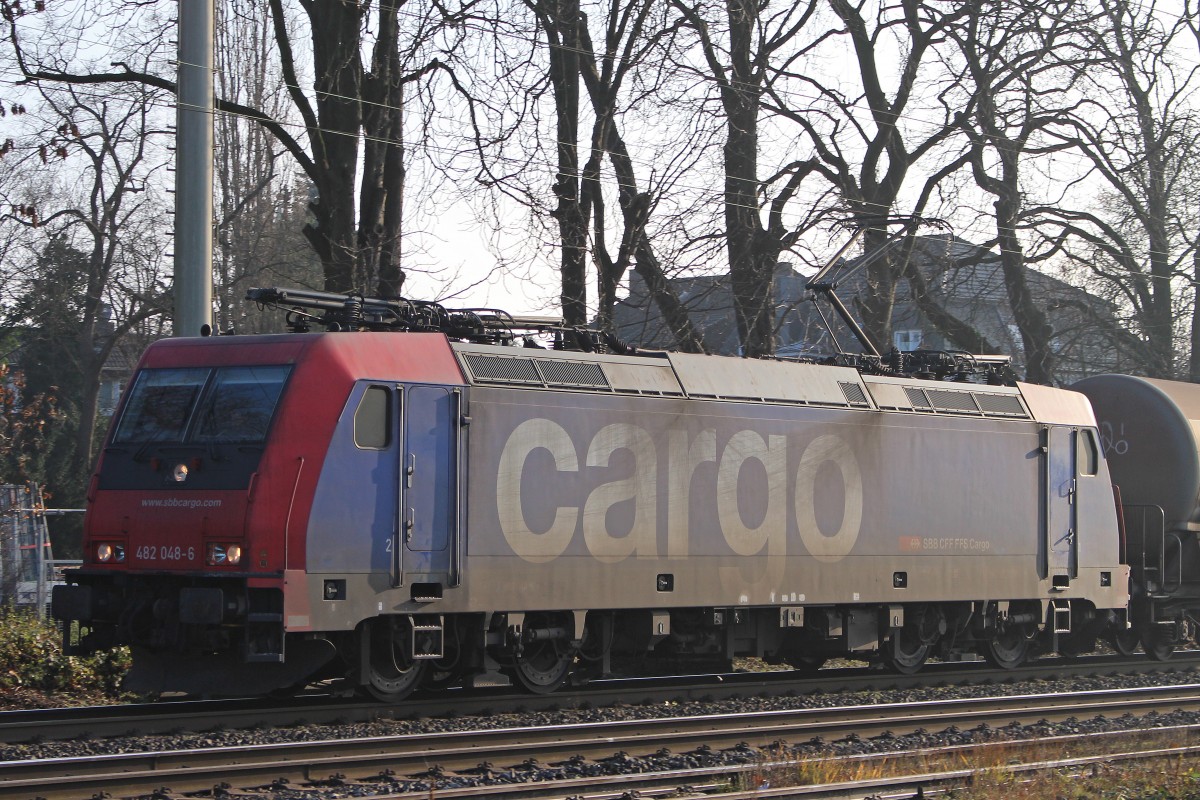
{"x": 219, "y": 554}
{"x": 180, "y": 473}
{"x": 110, "y": 551}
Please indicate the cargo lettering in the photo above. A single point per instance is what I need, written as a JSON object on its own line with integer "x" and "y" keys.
{"x": 765, "y": 536}
{"x": 771, "y": 533}
{"x": 641, "y": 488}
{"x": 531, "y": 435}
{"x": 822, "y": 450}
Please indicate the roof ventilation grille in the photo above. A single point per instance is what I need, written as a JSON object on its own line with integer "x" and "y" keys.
{"x": 495, "y": 369}
{"x": 572, "y": 373}
{"x": 855, "y": 395}
{"x": 1001, "y": 405}
{"x": 952, "y": 402}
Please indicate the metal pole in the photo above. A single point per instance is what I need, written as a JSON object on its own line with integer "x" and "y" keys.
{"x": 39, "y": 527}
{"x": 194, "y": 169}
{"x": 10, "y": 531}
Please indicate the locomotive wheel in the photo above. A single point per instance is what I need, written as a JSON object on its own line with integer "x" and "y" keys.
{"x": 392, "y": 673}
{"x": 543, "y": 667}
{"x": 905, "y": 653}
{"x": 1125, "y": 642}
{"x": 1008, "y": 650}
{"x": 1156, "y": 645}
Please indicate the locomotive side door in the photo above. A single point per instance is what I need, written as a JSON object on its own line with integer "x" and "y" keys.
{"x": 1061, "y": 491}
{"x": 428, "y": 484}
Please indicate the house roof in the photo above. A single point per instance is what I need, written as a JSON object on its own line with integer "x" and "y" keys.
{"x": 963, "y": 278}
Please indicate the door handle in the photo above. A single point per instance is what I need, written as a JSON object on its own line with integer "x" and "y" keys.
{"x": 411, "y": 470}
{"x": 410, "y": 522}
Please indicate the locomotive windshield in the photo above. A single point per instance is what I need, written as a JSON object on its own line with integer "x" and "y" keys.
{"x": 202, "y": 405}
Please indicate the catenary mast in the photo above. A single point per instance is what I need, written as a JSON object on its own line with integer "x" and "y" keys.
{"x": 194, "y": 169}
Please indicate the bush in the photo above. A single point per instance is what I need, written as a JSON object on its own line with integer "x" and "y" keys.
{"x": 31, "y": 657}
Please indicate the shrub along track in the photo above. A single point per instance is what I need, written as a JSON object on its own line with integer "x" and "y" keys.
{"x": 705, "y": 749}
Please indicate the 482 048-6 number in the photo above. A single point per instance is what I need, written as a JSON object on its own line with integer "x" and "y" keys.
{"x": 150, "y": 552}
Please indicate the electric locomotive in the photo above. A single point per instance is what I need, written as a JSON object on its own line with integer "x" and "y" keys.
{"x": 415, "y": 497}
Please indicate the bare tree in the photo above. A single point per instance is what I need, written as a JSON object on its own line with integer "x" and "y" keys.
{"x": 260, "y": 201}
{"x": 758, "y": 45}
{"x": 1191, "y": 18}
{"x": 868, "y": 159}
{"x": 627, "y": 45}
{"x": 561, "y": 22}
{"x": 1139, "y": 147}
{"x": 1021, "y": 62}
{"x": 356, "y": 223}
{"x": 106, "y": 225}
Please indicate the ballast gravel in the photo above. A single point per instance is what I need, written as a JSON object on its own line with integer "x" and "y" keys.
{"x": 622, "y": 763}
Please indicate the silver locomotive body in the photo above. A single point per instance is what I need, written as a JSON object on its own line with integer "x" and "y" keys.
{"x": 684, "y": 507}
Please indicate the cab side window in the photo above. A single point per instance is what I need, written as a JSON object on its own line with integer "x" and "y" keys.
{"x": 373, "y": 419}
{"x": 1089, "y": 453}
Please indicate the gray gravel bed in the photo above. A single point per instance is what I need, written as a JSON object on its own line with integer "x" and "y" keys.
{"x": 621, "y": 763}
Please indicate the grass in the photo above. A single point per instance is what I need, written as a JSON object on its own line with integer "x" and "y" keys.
{"x": 1172, "y": 778}
{"x": 1159, "y": 780}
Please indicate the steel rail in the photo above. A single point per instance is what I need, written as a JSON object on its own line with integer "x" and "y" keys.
{"x": 416, "y": 754}
{"x": 709, "y": 781}
{"x": 316, "y": 709}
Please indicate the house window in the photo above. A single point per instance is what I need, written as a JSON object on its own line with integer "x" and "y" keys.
{"x": 110, "y": 393}
{"x": 907, "y": 340}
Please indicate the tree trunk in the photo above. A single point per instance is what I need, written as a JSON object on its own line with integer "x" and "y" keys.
{"x": 89, "y": 409}
{"x": 751, "y": 271}
{"x": 635, "y": 206}
{"x": 381, "y": 197}
{"x": 1194, "y": 362}
{"x": 1036, "y": 331}
{"x": 336, "y": 54}
{"x": 561, "y": 20}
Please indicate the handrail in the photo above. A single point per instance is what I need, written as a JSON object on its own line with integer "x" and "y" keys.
{"x": 1144, "y": 549}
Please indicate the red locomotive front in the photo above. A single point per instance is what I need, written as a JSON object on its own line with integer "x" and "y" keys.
{"x": 198, "y": 507}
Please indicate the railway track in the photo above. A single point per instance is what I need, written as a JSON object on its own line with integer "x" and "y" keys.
{"x": 695, "y": 749}
{"x": 319, "y": 709}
